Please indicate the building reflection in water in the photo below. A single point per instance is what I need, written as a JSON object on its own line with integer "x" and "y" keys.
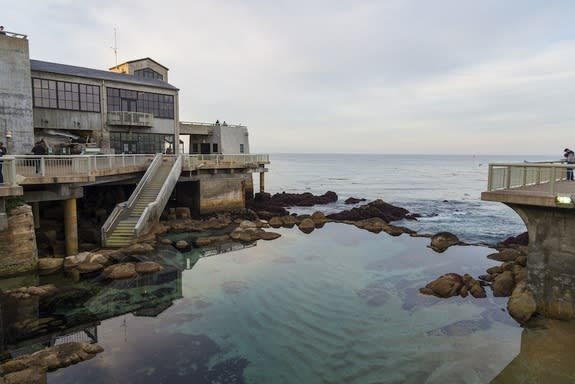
{"x": 74, "y": 313}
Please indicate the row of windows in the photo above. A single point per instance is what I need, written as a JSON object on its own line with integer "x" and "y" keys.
{"x": 65, "y": 95}
{"x": 124, "y": 142}
{"x": 161, "y": 106}
{"x": 148, "y": 73}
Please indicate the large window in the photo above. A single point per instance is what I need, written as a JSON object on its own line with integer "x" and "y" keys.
{"x": 148, "y": 73}
{"x": 45, "y": 95}
{"x": 65, "y": 95}
{"x": 124, "y": 142}
{"x": 161, "y": 106}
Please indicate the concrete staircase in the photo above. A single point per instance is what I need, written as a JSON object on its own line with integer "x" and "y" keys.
{"x": 123, "y": 233}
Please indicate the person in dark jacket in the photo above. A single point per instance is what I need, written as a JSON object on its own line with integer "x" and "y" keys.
{"x": 570, "y": 159}
{"x": 3, "y": 151}
{"x": 39, "y": 150}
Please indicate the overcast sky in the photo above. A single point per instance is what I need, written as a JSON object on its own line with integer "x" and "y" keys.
{"x": 388, "y": 76}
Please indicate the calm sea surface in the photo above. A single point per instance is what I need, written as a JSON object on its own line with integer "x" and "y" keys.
{"x": 339, "y": 305}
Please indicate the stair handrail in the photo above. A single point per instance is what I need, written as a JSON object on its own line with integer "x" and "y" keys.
{"x": 122, "y": 209}
{"x": 153, "y": 210}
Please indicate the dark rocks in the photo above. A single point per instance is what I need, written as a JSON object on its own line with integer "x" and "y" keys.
{"x": 353, "y": 200}
{"x": 522, "y": 239}
{"x": 377, "y": 208}
{"x": 267, "y": 206}
{"x": 443, "y": 240}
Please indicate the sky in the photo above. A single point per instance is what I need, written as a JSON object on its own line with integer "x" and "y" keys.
{"x": 334, "y": 76}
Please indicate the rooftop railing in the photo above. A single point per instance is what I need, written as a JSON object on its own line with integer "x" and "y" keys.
{"x": 507, "y": 176}
{"x": 14, "y": 34}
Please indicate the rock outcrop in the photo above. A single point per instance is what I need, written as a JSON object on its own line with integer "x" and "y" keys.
{"x": 377, "y": 208}
{"x": 443, "y": 240}
{"x": 521, "y": 304}
{"x": 31, "y": 369}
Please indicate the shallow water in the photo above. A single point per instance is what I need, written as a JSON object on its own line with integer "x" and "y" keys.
{"x": 340, "y": 305}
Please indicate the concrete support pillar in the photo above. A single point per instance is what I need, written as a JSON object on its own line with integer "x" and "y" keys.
{"x": 71, "y": 227}
{"x": 262, "y": 183}
{"x": 551, "y": 258}
{"x": 36, "y": 214}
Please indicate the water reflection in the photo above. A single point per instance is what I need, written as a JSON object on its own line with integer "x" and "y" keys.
{"x": 341, "y": 305}
{"x": 546, "y": 356}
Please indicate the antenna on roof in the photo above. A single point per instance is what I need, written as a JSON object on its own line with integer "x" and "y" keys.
{"x": 115, "y": 47}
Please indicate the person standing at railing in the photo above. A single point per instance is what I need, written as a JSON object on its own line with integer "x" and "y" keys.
{"x": 3, "y": 151}
{"x": 570, "y": 159}
{"x": 39, "y": 150}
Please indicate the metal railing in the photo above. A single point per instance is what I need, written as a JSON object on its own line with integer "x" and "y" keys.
{"x": 241, "y": 160}
{"x": 154, "y": 210}
{"x": 22, "y": 166}
{"x": 19, "y": 167}
{"x": 123, "y": 209}
{"x": 14, "y": 34}
{"x": 504, "y": 176}
{"x": 131, "y": 118}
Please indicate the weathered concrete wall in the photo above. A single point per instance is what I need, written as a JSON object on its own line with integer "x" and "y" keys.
{"x": 551, "y": 258}
{"x": 231, "y": 139}
{"x": 15, "y": 95}
{"x": 222, "y": 194}
{"x": 18, "y": 252}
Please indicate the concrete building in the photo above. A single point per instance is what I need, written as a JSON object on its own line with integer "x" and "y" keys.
{"x": 206, "y": 138}
{"x": 129, "y": 115}
{"x": 129, "y": 109}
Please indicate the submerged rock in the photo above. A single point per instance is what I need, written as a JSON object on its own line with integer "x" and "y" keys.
{"x": 120, "y": 271}
{"x": 306, "y": 225}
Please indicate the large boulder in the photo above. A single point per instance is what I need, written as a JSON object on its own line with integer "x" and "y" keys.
{"x": 503, "y": 284}
{"x": 306, "y": 225}
{"x": 444, "y": 286}
{"x": 443, "y": 240}
{"x": 522, "y": 304}
{"x": 144, "y": 267}
{"x": 506, "y": 254}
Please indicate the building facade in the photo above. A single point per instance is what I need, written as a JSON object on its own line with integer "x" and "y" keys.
{"x": 129, "y": 109}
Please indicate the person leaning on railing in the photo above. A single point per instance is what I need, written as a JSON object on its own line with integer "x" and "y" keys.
{"x": 3, "y": 151}
{"x": 570, "y": 159}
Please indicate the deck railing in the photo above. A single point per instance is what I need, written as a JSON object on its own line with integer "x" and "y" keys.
{"x": 242, "y": 160}
{"x": 53, "y": 166}
{"x": 154, "y": 210}
{"x": 516, "y": 175}
{"x": 19, "y": 167}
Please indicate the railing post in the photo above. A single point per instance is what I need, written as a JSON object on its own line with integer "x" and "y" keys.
{"x": 490, "y": 178}
{"x": 524, "y": 176}
{"x": 110, "y": 165}
{"x": 552, "y": 181}
{"x": 508, "y": 177}
{"x": 123, "y": 161}
{"x": 89, "y": 159}
{"x": 42, "y": 166}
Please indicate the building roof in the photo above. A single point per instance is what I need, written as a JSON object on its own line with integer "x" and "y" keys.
{"x": 142, "y": 59}
{"x": 70, "y": 70}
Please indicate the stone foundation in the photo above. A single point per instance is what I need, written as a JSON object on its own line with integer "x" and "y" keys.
{"x": 18, "y": 252}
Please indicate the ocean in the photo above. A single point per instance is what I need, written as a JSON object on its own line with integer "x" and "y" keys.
{"x": 444, "y": 189}
{"x": 338, "y": 305}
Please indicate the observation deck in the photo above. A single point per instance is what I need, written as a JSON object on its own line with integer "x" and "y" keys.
{"x": 537, "y": 184}
{"x": 542, "y": 195}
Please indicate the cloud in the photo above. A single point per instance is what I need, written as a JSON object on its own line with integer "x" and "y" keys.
{"x": 394, "y": 76}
